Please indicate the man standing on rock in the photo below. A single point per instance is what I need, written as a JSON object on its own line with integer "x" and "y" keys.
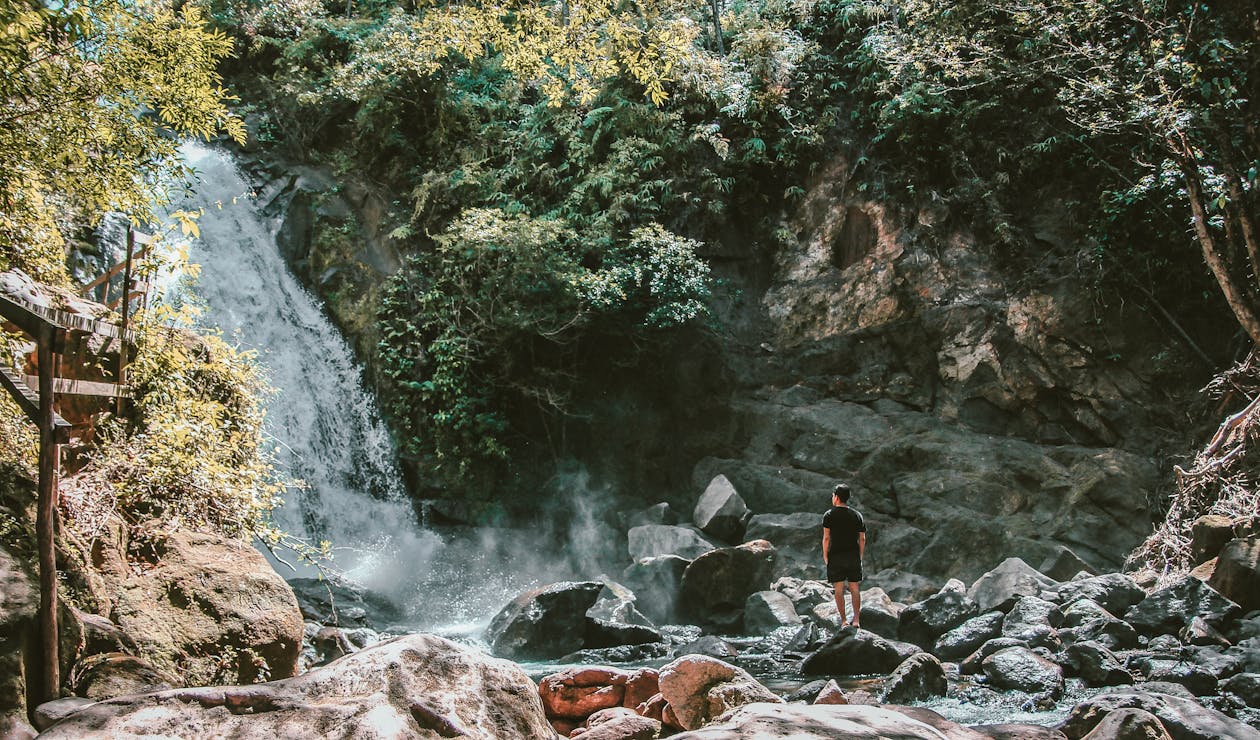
{"x": 843, "y": 545}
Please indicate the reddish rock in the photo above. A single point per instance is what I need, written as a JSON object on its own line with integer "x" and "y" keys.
{"x": 564, "y": 727}
{"x": 700, "y": 688}
{"x": 831, "y": 694}
{"x": 653, "y": 708}
{"x": 577, "y": 693}
{"x": 669, "y": 719}
{"x": 641, "y": 686}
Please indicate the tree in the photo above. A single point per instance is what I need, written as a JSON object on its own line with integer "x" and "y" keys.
{"x": 95, "y": 96}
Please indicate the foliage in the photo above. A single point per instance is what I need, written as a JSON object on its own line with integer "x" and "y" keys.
{"x": 494, "y": 320}
{"x": 92, "y": 92}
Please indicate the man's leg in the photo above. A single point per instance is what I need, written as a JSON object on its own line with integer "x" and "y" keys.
{"x": 839, "y": 589}
{"x": 855, "y": 595}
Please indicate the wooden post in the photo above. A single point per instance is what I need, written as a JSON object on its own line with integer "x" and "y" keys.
{"x": 126, "y": 309}
{"x": 46, "y": 516}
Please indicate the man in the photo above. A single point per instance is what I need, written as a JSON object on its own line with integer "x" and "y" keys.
{"x": 844, "y": 544}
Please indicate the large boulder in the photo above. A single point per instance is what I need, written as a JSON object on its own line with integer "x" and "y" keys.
{"x": 415, "y": 686}
{"x": 1237, "y": 575}
{"x": 1034, "y": 621}
{"x": 655, "y": 583}
{"x": 1094, "y": 663}
{"x": 927, "y": 620}
{"x": 1023, "y": 670}
{"x": 720, "y": 512}
{"x": 699, "y": 688}
{"x": 1129, "y": 724}
{"x": 919, "y": 678}
{"x": 544, "y": 623}
{"x": 1114, "y": 592}
{"x": 1001, "y": 587}
{"x": 818, "y": 722}
{"x": 209, "y": 609}
{"x": 1185, "y": 719}
{"x": 767, "y": 611}
{"x": 577, "y": 693}
{"x": 880, "y": 614}
{"x": 717, "y": 584}
{"x": 1084, "y": 619}
{"x": 967, "y": 637}
{"x": 654, "y": 540}
{"x": 856, "y": 652}
{"x": 797, "y": 540}
{"x": 1172, "y": 608}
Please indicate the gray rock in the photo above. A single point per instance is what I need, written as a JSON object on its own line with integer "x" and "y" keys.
{"x": 919, "y": 678}
{"x": 1023, "y": 670}
{"x": 767, "y": 611}
{"x": 1171, "y": 608}
{"x": 1129, "y": 724}
{"x": 879, "y": 613}
{"x": 1064, "y": 565}
{"x": 655, "y": 540}
{"x": 1114, "y": 592}
{"x": 544, "y": 623}
{"x": 661, "y": 513}
{"x": 1197, "y": 679}
{"x": 716, "y": 585}
{"x": 720, "y": 512}
{"x": 1245, "y": 686}
{"x": 796, "y": 537}
{"x": 709, "y": 645}
{"x": 903, "y": 587}
{"x": 967, "y": 637}
{"x": 1094, "y": 663}
{"x": 974, "y": 663}
{"x": 51, "y": 712}
{"x": 1237, "y": 574}
{"x": 1208, "y": 534}
{"x": 1001, "y": 587}
{"x": 1034, "y": 621}
{"x": 655, "y": 583}
{"x": 854, "y": 652}
{"x": 1185, "y": 719}
{"x": 805, "y": 594}
{"x": 927, "y": 620}
{"x": 621, "y": 654}
{"x": 820, "y": 722}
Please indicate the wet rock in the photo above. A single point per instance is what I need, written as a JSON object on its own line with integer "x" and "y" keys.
{"x": 1245, "y": 686}
{"x": 424, "y": 682}
{"x": 720, "y": 512}
{"x": 1001, "y": 587}
{"x": 855, "y": 652}
{"x": 927, "y": 620}
{"x": 655, "y": 582}
{"x": 709, "y": 645}
{"x": 1197, "y": 679}
{"x": 699, "y": 689}
{"x": 333, "y": 602}
{"x": 1114, "y": 592}
{"x": 808, "y": 638}
{"x": 1097, "y": 665}
{"x": 796, "y": 538}
{"x": 718, "y": 583}
{"x": 601, "y": 633}
{"x": 1171, "y": 608}
{"x": 1033, "y": 620}
{"x": 1023, "y": 670}
{"x": 1208, "y": 534}
{"x": 974, "y": 663}
{"x": 967, "y": 637}
{"x": 817, "y": 722}
{"x": 880, "y": 614}
{"x": 577, "y": 693}
{"x": 618, "y": 654}
{"x": 619, "y": 605}
{"x": 543, "y": 623}
{"x": 919, "y": 678}
{"x": 1129, "y": 724}
{"x": 1184, "y": 718}
{"x": 655, "y": 540}
{"x": 1237, "y": 575}
{"x": 805, "y": 594}
{"x": 767, "y": 611}
{"x": 808, "y": 692}
{"x": 1064, "y": 565}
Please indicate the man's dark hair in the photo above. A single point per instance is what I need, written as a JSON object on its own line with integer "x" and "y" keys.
{"x": 842, "y": 492}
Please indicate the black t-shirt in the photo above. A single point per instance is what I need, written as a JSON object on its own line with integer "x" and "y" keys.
{"x": 845, "y": 524}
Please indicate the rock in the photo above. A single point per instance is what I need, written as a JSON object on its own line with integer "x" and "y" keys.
{"x": 1129, "y": 724}
{"x": 1237, "y": 575}
{"x": 805, "y": 595}
{"x": 830, "y": 693}
{"x": 856, "y": 652}
{"x": 967, "y": 637}
{"x": 99, "y": 635}
{"x": 1196, "y": 678}
{"x": 710, "y": 645}
{"x": 1245, "y": 686}
{"x": 720, "y": 512}
{"x": 417, "y": 685}
{"x": 880, "y": 614}
{"x": 1208, "y": 534}
{"x": 797, "y": 539}
{"x": 614, "y": 620}
{"x": 1114, "y": 592}
{"x": 1184, "y": 718}
{"x": 655, "y": 582}
{"x": 641, "y": 686}
{"x": 621, "y": 724}
{"x": 208, "y": 597}
{"x": 1199, "y": 632}
{"x": 807, "y": 639}
{"x": 718, "y": 583}
{"x": 1008, "y": 731}
{"x": 826, "y": 615}
{"x": 332, "y": 601}
{"x": 604, "y": 634}
{"x": 1095, "y": 664}
{"x": 655, "y": 540}
{"x": 767, "y": 611}
{"x": 809, "y": 691}
{"x": 619, "y": 605}
{"x": 815, "y": 722}
{"x": 661, "y": 513}
{"x": 1171, "y": 608}
{"x": 331, "y": 643}
{"x": 114, "y": 674}
{"x": 543, "y": 623}
{"x": 1064, "y": 565}
{"x": 19, "y": 603}
{"x": 699, "y": 689}
{"x": 577, "y": 693}
{"x": 1023, "y": 670}
{"x": 902, "y": 586}
{"x": 1001, "y": 587}
{"x": 919, "y": 678}
{"x": 927, "y": 620}
{"x": 974, "y": 662}
{"x": 619, "y": 654}
{"x": 51, "y": 712}
{"x": 1033, "y": 620}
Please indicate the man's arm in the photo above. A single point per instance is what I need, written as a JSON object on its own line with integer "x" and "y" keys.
{"x": 861, "y": 545}
{"x": 826, "y": 543}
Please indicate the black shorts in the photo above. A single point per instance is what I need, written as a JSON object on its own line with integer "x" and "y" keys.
{"x": 844, "y": 568}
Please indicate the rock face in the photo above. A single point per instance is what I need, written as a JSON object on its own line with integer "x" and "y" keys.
{"x": 716, "y": 585}
{"x": 720, "y": 512}
{"x": 418, "y": 686}
{"x": 206, "y": 596}
{"x": 700, "y": 688}
{"x": 544, "y": 623}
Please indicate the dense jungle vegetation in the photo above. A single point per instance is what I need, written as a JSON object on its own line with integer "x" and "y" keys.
{"x": 558, "y": 171}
